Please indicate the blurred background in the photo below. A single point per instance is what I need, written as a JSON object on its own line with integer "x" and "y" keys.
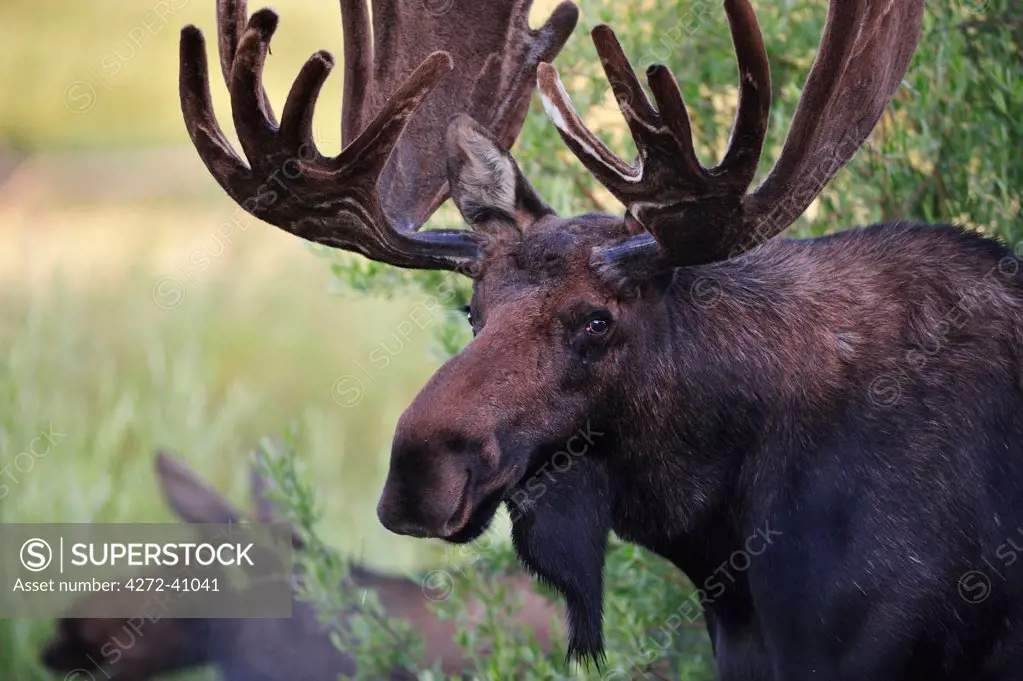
{"x": 141, "y": 309}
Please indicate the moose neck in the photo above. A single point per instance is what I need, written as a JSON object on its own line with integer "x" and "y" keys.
{"x": 745, "y": 362}
{"x": 743, "y": 370}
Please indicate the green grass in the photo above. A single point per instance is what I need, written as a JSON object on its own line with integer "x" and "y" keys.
{"x": 103, "y": 74}
{"x": 256, "y": 343}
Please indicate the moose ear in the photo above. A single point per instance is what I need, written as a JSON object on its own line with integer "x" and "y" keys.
{"x": 189, "y": 496}
{"x": 485, "y": 182}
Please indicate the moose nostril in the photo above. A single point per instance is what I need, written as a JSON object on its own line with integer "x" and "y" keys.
{"x": 426, "y": 490}
{"x": 456, "y": 443}
{"x": 460, "y": 516}
{"x": 391, "y": 517}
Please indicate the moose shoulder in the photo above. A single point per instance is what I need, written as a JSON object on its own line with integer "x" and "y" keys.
{"x": 824, "y": 435}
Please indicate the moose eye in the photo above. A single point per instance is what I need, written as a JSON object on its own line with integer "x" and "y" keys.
{"x": 468, "y": 317}
{"x": 598, "y": 326}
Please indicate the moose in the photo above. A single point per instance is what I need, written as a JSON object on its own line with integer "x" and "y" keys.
{"x": 297, "y": 649}
{"x": 857, "y": 399}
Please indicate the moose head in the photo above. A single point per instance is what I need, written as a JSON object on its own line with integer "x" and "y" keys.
{"x": 576, "y": 320}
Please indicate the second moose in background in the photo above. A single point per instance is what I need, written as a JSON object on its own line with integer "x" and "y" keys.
{"x": 296, "y": 649}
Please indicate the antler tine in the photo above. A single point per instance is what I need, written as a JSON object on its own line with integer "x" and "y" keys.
{"x": 358, "y": 85}
{"x": 387, "y": 144}
{"x": 256, "y": 131}
{"x": 231, "y": 25}
{"x": 296, "y": 131}
{"x": 754, "y": 110}
{"x": 605, "y": 165}
{"x": 673, "y": 111}
{"x": 865, "y": 53}
{"x": 632, "y": 100}
{"x": 200, "y": 121}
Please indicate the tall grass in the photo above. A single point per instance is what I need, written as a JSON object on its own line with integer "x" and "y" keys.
{"x": 256, "y": 343}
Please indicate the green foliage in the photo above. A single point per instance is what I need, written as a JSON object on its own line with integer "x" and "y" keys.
{"x": 496, "y": 651}
{"x": 442, "y": 295}
{"x": 354, "y": 616}
{"x": 949, "y": 149}
{"x": 651, "y": 619}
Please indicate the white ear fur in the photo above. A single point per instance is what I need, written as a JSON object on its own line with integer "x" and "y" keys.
{"x": 482, "y": 174}
{"x": 488, "y": 173}
{"x": 484, "y": 180}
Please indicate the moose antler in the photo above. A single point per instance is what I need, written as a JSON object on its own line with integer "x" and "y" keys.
{"x": 698, "y": 215}
{"x": 394, "y": 83}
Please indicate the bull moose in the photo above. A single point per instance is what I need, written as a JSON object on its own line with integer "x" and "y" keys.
{"x": 856, "y": 398}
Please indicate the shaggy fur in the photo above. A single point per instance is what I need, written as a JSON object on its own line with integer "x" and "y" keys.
{"x": 561, "y": 537}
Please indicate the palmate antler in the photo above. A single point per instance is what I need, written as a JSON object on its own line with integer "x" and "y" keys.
{"x": 694, "y": 215}
{"x": 377, "y": 193}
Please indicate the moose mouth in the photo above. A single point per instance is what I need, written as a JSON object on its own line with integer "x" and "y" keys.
{"x": 478, "y": 519}
{"x": 472, "y": 518}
